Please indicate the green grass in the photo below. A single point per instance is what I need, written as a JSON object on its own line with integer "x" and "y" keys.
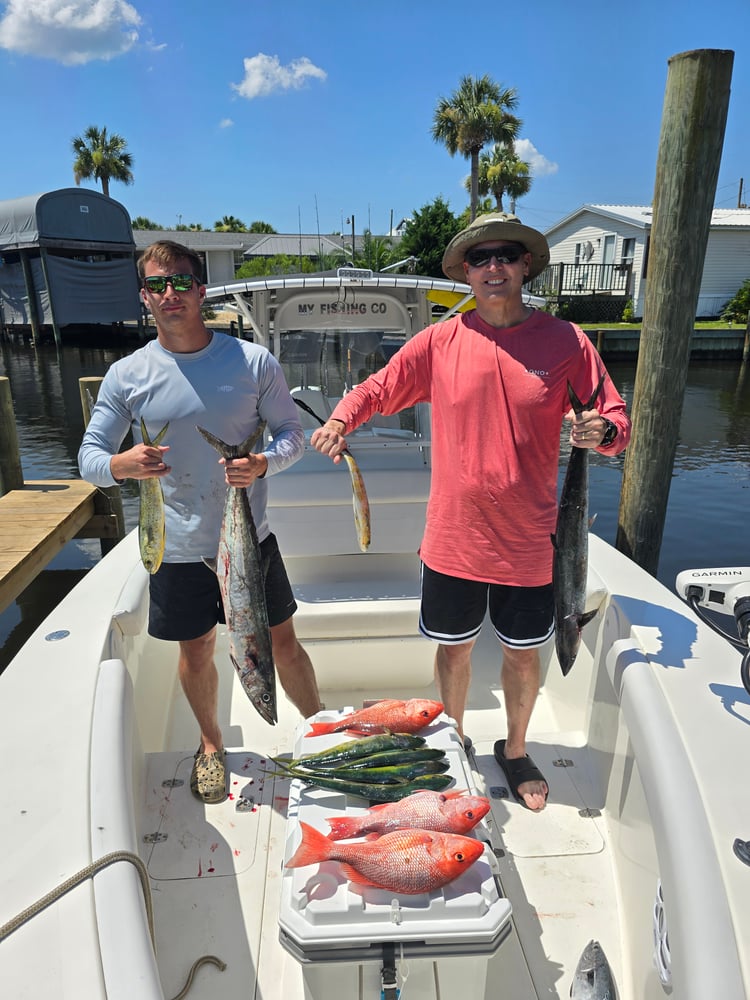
{"x": 700, "y": 325}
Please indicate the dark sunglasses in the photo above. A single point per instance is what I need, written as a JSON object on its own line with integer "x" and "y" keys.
{"x": 180, "y": 282}
{"x": 503, "y": 255}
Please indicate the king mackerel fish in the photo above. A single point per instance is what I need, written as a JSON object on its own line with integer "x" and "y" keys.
{"x": 242, "y": 584}
{"x": 571, "y": 545}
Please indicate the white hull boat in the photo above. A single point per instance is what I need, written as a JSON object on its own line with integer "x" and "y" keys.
{"x": 643, "y": 845}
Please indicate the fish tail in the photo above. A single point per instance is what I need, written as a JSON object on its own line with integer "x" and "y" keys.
{"x": 344, "y": 827}
{"x": 233, "y": 450}
{"x": 575, "y": 402}
{"x": 147, "y": 440}
{"x": 315, "y": 847}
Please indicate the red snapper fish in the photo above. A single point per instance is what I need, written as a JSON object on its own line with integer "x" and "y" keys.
{"x": 389, "y": 715}
{"x": 405, "y": 861}
{"x": 440, "y": 812}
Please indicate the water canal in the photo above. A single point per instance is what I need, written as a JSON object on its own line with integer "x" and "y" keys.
{"x": 709, "y": 496}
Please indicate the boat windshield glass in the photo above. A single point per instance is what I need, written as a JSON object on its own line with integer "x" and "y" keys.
{"x": 321, "y": 366}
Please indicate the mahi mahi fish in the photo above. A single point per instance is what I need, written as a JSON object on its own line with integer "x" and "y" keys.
{"x": 242, "y": 584}
{"x": 359, "y": 494}
{"x": 571, "y": 545}
{"x": 593, "y": 978}
{"x": 151, "y": 525}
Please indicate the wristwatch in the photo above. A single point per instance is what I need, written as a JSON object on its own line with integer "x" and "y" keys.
{"x": 610, "y": 433}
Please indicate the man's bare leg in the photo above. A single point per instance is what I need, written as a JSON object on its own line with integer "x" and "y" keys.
{"x": 295, "y": 669}
{"x": 520, "y": 680}
{"x": 200, "y": 682}
{"x": 453, "y": 678}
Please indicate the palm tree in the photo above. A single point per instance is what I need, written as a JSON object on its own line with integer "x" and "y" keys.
{"x": 101, "y": 156}
{"x": 503, "y": 172}
{"x": 477, "y": 113}
{"x": 229, "y": 224}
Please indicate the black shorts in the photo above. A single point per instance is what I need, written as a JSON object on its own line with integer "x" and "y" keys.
{"x": 453, "y": 610}
{"x": 186, "y": 600}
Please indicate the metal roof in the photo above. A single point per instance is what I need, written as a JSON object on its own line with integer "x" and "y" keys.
{"x": 642, "y": 215}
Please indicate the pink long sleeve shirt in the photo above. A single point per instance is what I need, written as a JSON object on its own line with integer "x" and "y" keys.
{"x": 498, "y": 399}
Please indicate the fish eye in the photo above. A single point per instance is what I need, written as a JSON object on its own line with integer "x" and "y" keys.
{"x": 470, "y": 814}
{"x": 265, "y": 698}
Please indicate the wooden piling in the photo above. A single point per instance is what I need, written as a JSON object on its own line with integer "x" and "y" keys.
{"x": 11, "y": 471}
{"x": 109, "y": 499}
{"x": 692, "y": 133}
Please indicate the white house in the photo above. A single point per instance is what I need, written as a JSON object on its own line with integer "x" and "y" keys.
{"x": 604, "y": 249}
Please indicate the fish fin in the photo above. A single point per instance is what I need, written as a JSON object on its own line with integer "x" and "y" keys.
{"x": 315, "y": 847}
{"x": 591, "y": 520}
{"x": 354, "y": 876}
{"x": 587, "y": 617}
{"x": 372, "y": 836}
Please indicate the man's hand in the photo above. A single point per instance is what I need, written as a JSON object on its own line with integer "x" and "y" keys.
{"x": 588, "y": 428}
{"x": 242, "y": 472}
{"x": 140, "y": 462}
{"x": 329, "y": 439}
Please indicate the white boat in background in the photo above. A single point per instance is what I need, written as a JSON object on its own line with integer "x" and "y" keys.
{"x": 643, "y": 845}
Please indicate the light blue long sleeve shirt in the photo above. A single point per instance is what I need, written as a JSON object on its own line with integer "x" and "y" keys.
{"x": 229, "y": 387}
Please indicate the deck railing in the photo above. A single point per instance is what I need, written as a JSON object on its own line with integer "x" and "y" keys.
{"x": 584, "y": 279}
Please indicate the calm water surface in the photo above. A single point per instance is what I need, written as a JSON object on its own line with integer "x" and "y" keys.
{"x": 708, "y": 502}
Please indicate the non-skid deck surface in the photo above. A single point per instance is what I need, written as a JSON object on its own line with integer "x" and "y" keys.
{"x": 568, "y": 824}
{"x": 186, "y": 839}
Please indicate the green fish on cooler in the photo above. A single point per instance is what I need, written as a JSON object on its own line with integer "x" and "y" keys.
{"x": 356, "y": 748}
{"x": 152, "y": 533}
{"x": 374, "y": 791}
{"x": 394, "y": 773}
{"x": 391, "y": 757}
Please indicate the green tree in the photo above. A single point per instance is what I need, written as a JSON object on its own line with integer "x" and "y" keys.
{"x": 101, "y": 156}
{"x": 477, "y": 113}
{"x": 427, "y": 235}
{"x": 193, "y": 227}
{"x": 261, "y": 227}
{"x": 501, "y": 172}
{"x": 229, "y": 224}
{"x": 141, "y": 222}
{"x": 738, "y": 307}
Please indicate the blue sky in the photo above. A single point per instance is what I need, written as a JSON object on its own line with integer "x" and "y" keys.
{"x": 301, "y": 114}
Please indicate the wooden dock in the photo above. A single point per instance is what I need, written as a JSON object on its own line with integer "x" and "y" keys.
{"x": 37, "y": 521}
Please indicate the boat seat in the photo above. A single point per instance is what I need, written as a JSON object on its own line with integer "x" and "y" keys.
{"x": 318, "y": 402}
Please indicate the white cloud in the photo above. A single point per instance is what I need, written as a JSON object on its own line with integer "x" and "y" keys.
{"x": 540, "y": 165}
{"x": 226, "y": 123}
{"x": 72, "y": 32}
{"x": 264, "y": 75}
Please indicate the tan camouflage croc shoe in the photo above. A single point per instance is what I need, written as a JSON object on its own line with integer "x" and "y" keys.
{"x": 208, "y": 780}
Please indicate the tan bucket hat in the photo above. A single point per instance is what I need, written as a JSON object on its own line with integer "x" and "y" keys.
{"x": 498, "y": 226}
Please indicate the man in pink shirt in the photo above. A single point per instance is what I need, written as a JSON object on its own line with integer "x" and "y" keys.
{"x": 497, "y": 380}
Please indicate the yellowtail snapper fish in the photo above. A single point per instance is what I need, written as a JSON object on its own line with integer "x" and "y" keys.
{"x": 152, "y": 534}
{"x": 242, "y": 584}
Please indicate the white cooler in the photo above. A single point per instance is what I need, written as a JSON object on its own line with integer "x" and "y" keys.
{"x": 343, "y": 933}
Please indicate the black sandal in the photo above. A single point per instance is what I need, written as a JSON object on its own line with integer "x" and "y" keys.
{"x": 517, "y": 771}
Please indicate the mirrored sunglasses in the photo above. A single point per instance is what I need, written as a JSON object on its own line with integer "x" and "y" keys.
{"x": 180, "y": 282}
{"x": 480, "y": 257}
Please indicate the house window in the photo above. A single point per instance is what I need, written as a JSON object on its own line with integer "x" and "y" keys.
{"x": 579, "y": 253}
{"x": 628, "y": 250}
